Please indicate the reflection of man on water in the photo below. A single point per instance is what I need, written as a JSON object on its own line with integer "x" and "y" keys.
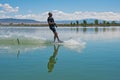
{"x": 18, "y": 53}
{"x": 52, "y": 59}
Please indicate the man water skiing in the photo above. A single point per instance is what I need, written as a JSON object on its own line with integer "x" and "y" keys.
{"x": 52, "y": 26}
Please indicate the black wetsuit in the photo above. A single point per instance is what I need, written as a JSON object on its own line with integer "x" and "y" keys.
{"x": 51, "y": 26}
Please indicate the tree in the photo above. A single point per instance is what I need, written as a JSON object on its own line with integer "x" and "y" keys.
{"x": 96, "y": 22}
{"x": 104, "y": 23}
{"x": 74, "y": 24}
{"x": 71, "y": 23}
{"x": 108, "y": 23}
{"x": 77, "y": 22}
{"x": 113, "y": 22}
{"x": 84, "y": 23}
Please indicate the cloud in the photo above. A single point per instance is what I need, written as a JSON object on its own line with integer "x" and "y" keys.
{"x": 78, "y": 15}
{"x": 6, "y": 8}
{"x": 4, "y": 16}
{"x": 83, "y": 15}
{"x": 60, "y": 15}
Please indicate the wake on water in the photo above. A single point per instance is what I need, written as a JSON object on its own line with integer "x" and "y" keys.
{"x": 74, "y": 45}
{"x": 70, "y": 43}
{"x": 33, "y": 41}
{"x": 37, "y": 37}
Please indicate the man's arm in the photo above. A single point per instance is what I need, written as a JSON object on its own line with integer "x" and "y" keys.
{"x": 51, "y": 22}
{"x": 55, "y": 24}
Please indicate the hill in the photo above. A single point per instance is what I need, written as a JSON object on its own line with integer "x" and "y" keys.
{"x": 12, "y": 20}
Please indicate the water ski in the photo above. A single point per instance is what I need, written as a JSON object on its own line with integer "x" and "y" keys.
{"x": 59, "y": 42}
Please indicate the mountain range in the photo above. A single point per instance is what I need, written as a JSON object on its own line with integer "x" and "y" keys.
{"x": 30, "y": 21}
{"x": 12, "y": 20}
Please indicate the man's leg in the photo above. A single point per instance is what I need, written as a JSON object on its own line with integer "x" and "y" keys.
{"x": 56, "y": 36}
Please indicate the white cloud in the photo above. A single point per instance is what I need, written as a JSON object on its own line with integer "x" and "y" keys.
{"x": 29, "y": 11}
{"x": 60, "y": 15}
{"x": 4, "y": 16}
{"x": 6, "y": 8}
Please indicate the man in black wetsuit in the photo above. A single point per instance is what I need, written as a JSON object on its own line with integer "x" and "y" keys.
{"x": 52, "y": 26}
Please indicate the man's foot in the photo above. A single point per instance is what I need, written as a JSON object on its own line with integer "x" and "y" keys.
{"x": 60, "y": 41}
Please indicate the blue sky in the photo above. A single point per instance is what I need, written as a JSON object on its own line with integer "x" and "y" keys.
{"x": 38, "y": 6}
{"x": 66, "y": 6}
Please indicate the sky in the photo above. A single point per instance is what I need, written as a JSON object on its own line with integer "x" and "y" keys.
{"x": 61, "y": 9}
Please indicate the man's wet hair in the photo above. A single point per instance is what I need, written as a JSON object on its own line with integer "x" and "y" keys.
{"x": 49, "y": 13}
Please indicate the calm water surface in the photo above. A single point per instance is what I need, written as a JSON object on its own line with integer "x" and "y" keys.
{"x": 92, "y": 54}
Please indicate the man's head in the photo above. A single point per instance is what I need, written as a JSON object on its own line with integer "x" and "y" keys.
{"x": 50, "y": 14}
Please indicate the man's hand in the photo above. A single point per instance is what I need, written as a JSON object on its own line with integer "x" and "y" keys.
{"x": 55, "y": 25}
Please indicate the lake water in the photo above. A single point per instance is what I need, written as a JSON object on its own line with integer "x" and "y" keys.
{"x": 86, "y": 54}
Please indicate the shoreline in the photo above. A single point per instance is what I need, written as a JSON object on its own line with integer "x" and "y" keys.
{"x": 63, "y": 26}
{"x": 59, "y": 25}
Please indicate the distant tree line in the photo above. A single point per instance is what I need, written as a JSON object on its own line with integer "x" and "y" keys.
{"x": 95, "y": 23}
{"x": 84, "y": 23}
